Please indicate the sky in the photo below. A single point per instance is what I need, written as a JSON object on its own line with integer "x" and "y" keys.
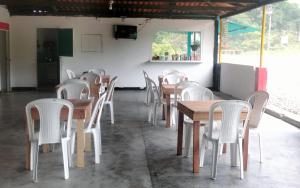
{"x": 295, "y": 1}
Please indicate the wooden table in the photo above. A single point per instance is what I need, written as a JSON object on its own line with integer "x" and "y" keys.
{"x": 199, "y": 111}
{"x": 167, "y": 90}
{"x": 82, "y": 112}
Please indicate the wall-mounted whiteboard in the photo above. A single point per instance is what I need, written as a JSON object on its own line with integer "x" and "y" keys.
{"x": 92, "y": 43}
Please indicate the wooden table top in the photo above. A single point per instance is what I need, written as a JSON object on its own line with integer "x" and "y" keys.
{"x": 81, "y": 108}
{"x": 199, "y": 110}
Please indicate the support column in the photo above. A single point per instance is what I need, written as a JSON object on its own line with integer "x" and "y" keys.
{"x": 221, "y": 39}
{"x": 261, "y": 72}
{"x": 217, "y": 67}
{"x": 189, "y": 43}
{"x": 262, "y": 43}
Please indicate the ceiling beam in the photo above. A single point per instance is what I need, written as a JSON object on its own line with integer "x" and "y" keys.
{"x": 250, "y": 8}
{"x": 166, "y": 8}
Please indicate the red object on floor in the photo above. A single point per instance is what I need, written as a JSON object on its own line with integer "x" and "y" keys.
{"x": 4, "y": 26}
{"x": 261, "y": 79}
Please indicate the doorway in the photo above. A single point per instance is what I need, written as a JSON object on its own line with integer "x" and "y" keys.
{"x": 47, "y": 58}
{"x": 4, "y": 62}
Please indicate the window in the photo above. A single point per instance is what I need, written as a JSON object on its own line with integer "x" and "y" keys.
{"x": 176, "y": 46}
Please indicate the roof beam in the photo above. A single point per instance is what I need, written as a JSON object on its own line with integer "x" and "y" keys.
{"x": 250, "y": 8}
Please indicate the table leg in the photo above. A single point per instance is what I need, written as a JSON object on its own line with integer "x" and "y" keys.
{"x": 45, "y": 148}
{"x": 196, "y": 143}
{"x": 180, "y": 133}
{"x": 88, "y": 142}
{"x": 224, "y": 148}
{"x": 245, "y": 148}
{"x": 27, "y": 149}
{"x": 168, "y": 114}
{"x": 80, "y": 143}
{"x": 163, "y": 109}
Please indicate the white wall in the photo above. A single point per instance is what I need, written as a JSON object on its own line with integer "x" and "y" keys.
{"x": 237, "y": 80}
{"x": 124, "y": 58}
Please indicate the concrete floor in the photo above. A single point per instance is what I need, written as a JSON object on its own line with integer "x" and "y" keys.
{"x": 137, "y": 154}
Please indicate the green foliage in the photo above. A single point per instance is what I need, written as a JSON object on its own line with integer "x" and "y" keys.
{"x": 171, "y": 42}
{"x": 285, "y": 22}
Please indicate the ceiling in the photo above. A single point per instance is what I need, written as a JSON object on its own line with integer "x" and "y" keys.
{"x": 181, "y": 9}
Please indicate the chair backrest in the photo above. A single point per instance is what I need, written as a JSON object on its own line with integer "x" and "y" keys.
{"x": 145, "y": 77}
{"x": 168, "y": 71}
{"x": 154, "y": 91}
{"x": 100, "y": 72}
{"x": 111, "y": 89}
{"x": 70, "y": 74}
{"x": 231, "y": 128}
{"x": 174, "y": 78}
{"x": 91, "y": 77}
{"x": 182, "y": 85}
{"x": 258, "y": 102}
{"x": 196, "y": 93}
{"x": 97, "y": 112}
{"x": 73, "y": 90}
{"x": 49, "y": 112}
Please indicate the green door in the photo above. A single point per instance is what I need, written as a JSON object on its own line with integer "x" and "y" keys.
{"x": 65, "y": 42}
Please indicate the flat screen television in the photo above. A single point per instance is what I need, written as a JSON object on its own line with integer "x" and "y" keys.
{"x": 125, "y": 31}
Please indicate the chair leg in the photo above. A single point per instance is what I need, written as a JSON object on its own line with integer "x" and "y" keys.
{"x": 147, "y": 97}
{"x": 150, "y": 112}
{"x": 52, "y": 147}
{"x": 176, "y": 118}
{"x": 233, "y": 154}
{"x": 112, "y": 117}
{"x": 215, "y": 160}
{"x": 35, "y": 160}
{"x": 73, "y": 142}
{"x": 202, "y": 151}
{"x": 260, "y": 148}
{"x": 96, "y": 145}
{"x": 69, "y": 144}
{"x": 100, "y": 142}
{"x": 188, "y": 137}
{"x": 64, "y": 145}
{"x": 155, "y": 114}
{"x": 221, "y": 149}
{"x": 32, "y": 153}
{"x": 240, "y": 141}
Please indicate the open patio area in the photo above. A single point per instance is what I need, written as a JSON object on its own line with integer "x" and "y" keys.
{"x": 149, "y": 94}
{"x": 137, "y": 154}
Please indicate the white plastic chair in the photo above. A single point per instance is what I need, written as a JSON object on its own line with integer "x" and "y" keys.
{"x": 86, "y": 92}
{"x": 93, "y": 127}
{"x": 258, "y": 102}
{"x": 230, "y": 132}
{"x": 147, "y": 87}
{"x": 168, "y": 71}
{"x": 100, "y": 72}
{"x": 155, "y": 101}
{"x": 193, "y": 93}
{"x": 174, "y": 78}
{"x": 75, "y": 89}
{"x": 109, "y": 98}
{"x": 50, "y": 131}
{"x": 91, "y": 77}
{"x": 70, "y": 74}
{"x": 177, "y": 96}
